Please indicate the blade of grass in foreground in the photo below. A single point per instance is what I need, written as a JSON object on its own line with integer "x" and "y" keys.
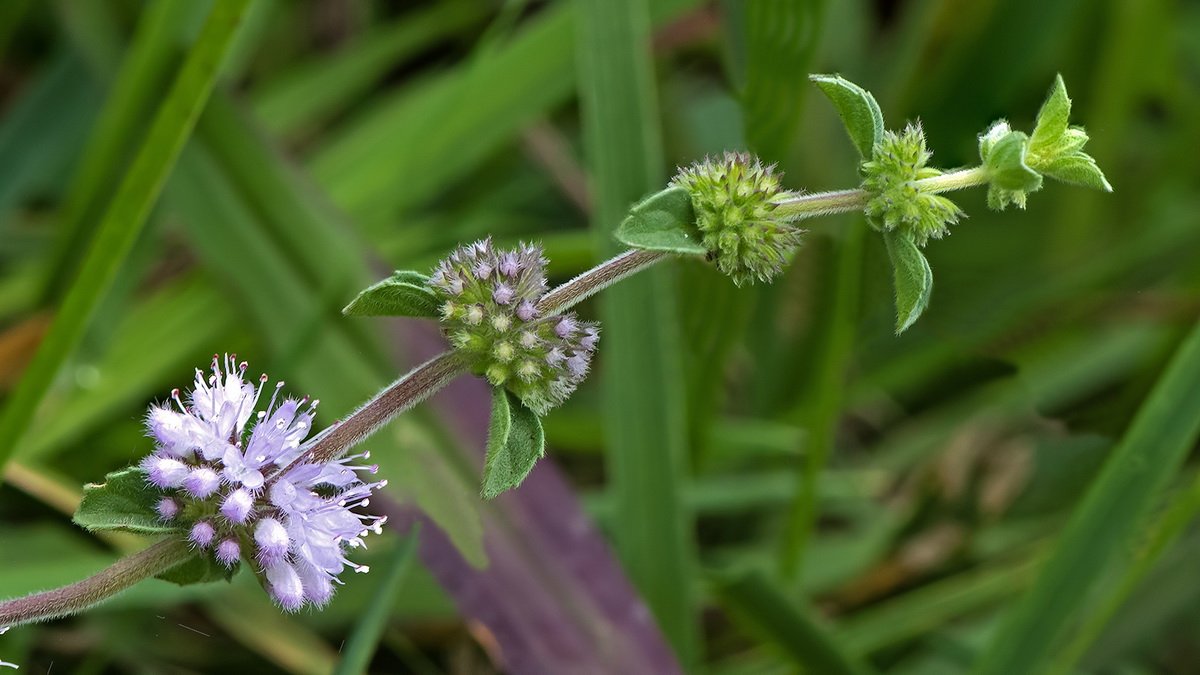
{"x": 356, "y": 655}
{"x": 1165, "y": 531}
{"x": 642, "y": 373}
{"x": 1104, "y": 524}
{"x": 124, "y": 218}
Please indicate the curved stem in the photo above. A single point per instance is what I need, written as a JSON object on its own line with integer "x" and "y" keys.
{"x": 426, "y": 379}
{"x": 429, "y": 377}
{"x": 410, "y": 389}
{"x": 97, "y": 588}
{"x": 598, "y": 278}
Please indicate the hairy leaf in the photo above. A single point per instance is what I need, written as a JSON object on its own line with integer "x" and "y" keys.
{"x": 858, "y": 109}
{"x": 405, "y": 293}
{"x": 1051, "y": 120}
{"x": 912, "y": 276}
{"x": 664, "y": 221}
{"x": 124, "y": 501}
{"x": 1078, "y": 168}
{"x": 515, "y": 443}
{"x": 1005, "y": 162}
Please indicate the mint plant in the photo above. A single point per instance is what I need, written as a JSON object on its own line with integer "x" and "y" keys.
{"x": 228, "y": 483}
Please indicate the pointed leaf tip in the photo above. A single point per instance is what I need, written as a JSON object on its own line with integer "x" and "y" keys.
{"x": 913, "y": 278}
{"x": 405, "y": 293}
{"x": 858, "y": 109}
{"x": 1052, "y": 119}
{"x": 664, "y": 221}
{"x": 515, "y": 443}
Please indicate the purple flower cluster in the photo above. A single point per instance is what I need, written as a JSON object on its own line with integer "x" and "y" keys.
{"x": 255, "y": 493}
{"x": 489, "y": 312}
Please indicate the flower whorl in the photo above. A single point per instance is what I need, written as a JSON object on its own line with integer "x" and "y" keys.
{"x": 900, "y": 160}
{"x": 254, "y": 492}
{"x": 488, "y": 302}
{"x": 735, "y": 199}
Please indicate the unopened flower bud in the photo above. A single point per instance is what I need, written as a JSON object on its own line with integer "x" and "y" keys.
{"x": 735, "y": 198}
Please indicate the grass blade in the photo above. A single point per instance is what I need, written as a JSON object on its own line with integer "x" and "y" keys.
{"x": 356, "y": 655}
{"x": 405, "y": 149}
{"x": 150, "y": 59}
{"x": 781, "y": 36}
{"x": 822, "y": 405}
{"x": 40, "y": 132}
{"x": 124, "y": 218}
{"x": 309, "y": 94}
{"x": 1104, "y": 524}
{"x": 1165, "y": 531}
{"x": 644, "y": 399}
{"x": 793, "y": 630}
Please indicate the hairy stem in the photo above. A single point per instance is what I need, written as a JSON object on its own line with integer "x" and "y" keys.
{"x": 955, "y": 180}
{"x": 823, "y": 203}
{"x": 429, "y": 377}
{"x": 843, "y": 201}
{"x": 97, "y": 588}
{"x": 426, "y": 379}
{"x": 410, "y": 389}
{"x": 598, "y": 278}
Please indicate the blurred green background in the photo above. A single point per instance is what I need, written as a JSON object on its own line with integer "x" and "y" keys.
{"x": 790, "y": 487}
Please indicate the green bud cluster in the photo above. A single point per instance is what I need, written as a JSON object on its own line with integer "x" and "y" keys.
{"x": 735, "y": 198}
{"x": 898, "y": 161}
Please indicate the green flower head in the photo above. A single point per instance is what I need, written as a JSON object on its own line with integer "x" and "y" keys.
{"x": 897, "y": 202}
{"x": 735, "y": 198}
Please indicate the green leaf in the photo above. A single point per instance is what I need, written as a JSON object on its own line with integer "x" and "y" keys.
{"x": 858, "y": 109}
{"x": 1078, "y": 168}
{"x": 405, "y": 293}
{"x": 135, "y": 91}
{"x": 124, "y": 501}
{"x": 312, "y": 91}
{"x": 1051, "y": 120}
{"x": 1074, "y": 139}
{"x": 912, "y": 276}
{"x": 201, "y": 568}
{"x": 663, "y": 221}
{"x": 515, "y": 443}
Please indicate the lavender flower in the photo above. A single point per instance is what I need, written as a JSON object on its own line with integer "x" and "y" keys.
{"x": 252, "y": 491}
{"x": 489, "y": 312}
